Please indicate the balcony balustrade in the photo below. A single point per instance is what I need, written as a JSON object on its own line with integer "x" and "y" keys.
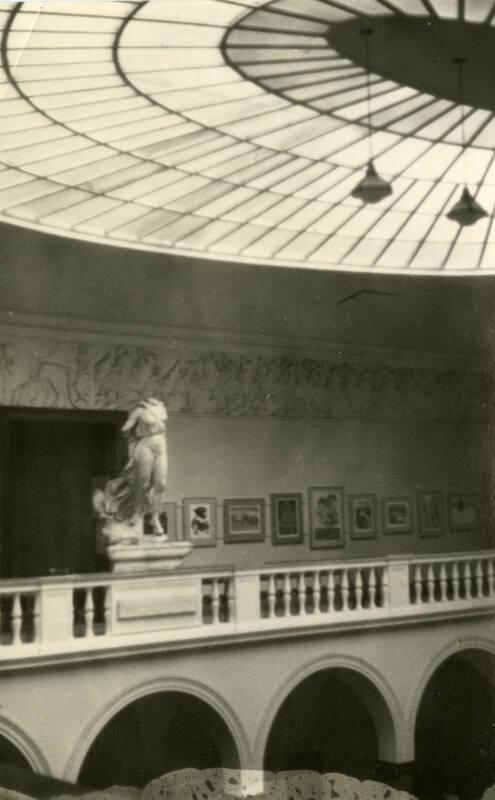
{"x": 64, "y": 615}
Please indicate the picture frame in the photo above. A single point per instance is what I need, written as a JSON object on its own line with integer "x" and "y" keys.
{"x": 168, "y": 519}
{"x": 287, "y": 518}
{"x": 397, "y": 515}
{"x": 463, "y": 512}
{"x": 362, "y": 516}
{"x": 430, "y": 507}
{"x": 244, "y": 520}
{"x": 326, "y": 514}
{"x": 200, "y": 521}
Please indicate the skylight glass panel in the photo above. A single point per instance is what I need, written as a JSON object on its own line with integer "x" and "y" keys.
{"x": 237, "y": 164}
{"x": 464, "y": 256}
{"x": 388, "y": 225}
{"x": 486, "y": 137}
{"x": 404, "y": 154}
{"x": 280, "y": 22}
{"x": 176, "y": 231}
{"x": 434, "y": 162}
{"x": 321, "y": 185}
{"x": 306, "y": 215}
{"x": 227, "y": 202}
{"x": 364, "y": 252}
{"x": 42, "y": 72}
{"x": 358, "y": 154}
{"x": 103, "y": 224}
{"x": 143, "y": 60}
{"x": 330, "y": 142}
{"x": 49, "y": 204}
{"x": 302, "y": 246}
{"x": 472, "y": 125}
{"x": 239, "y": 239}
{"x": 238, "y": 110}
{"x": 442, "y": 125}
{"x": 477, "y": 10}
{"x": 188, "y": 99}
{"x": 397, "y": 255}
{"x": 138, "y": 229}
{"x": 205, "y": 237}
{"x": 333, "y": 250}
{"x": 415, "y": 7}
{"x": 314, "y": 8}
{"x": 106, "y": 8}
{"x": 244, "y": 38}
{"x": 421, "y": 117}
{"x": 309, "y": 84}
{"x": 431, "y": 256}
{"x": 175, "y": 190}
{"x": 396, "y": 111}
{"x": 332, "y": 220}
{"x": 278, "y": 213}
{"x": 306, "y": 67}
{"x": 76, "y": 151}
{"x": 306, "y": 176}
{"x": 269, "y": 244}
{"x": 59, "y": 39}
{"x": 199, "y": 11}
{"x": 436, "y": 201}
{"x": 252, "y": 207}
{"x": 305, "y": 131}
{"x": 174, "y": 35}
{"x": 488, "y": 258}
{"x": 71, "y": 21}
{"x": 37, "y": 187}
{"x": 95, "y": 110}
{"x": 448, "y": 9}
{"x": 221, "y": 152}
{"x": 359, "y": 224}
{"x": 470, "y": 167}
{"x": 266, "y": 123}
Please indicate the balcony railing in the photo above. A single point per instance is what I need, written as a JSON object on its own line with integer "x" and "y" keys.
{"x": 67, "y": 614}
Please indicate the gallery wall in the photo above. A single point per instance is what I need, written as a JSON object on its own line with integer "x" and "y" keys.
{"x": 246, "y": 422}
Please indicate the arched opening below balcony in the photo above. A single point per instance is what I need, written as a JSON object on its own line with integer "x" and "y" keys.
{"x": 455, "y": 729}
{"x": 335, "y": 720}
{"x": 156, "y": 734}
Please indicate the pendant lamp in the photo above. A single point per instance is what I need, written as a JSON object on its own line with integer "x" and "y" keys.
{"x": 466, "y": 211}
{"x": 372, "y": 188}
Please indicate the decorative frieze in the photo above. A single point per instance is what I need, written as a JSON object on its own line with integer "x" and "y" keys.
{"x": 95, "y": 375}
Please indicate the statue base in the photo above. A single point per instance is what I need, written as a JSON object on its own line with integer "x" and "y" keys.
{"x": 143, "y": 556}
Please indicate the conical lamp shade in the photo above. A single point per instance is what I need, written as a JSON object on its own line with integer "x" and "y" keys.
{"x": 466, "y": 211}
{"x": 372, "y": 188}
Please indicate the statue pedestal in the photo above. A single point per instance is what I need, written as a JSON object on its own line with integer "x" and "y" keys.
{"x": 148, "y": 556}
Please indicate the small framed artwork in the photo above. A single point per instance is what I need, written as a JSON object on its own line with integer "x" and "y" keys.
{"x": 362, "y": 516}
{"x": 463, "y": 512}
{"x": 200, "y": 521}
{"x": 244, "y": 520}
{"x": 397, "y": 515}
{"x": 430, "y": 507}
{"x": 168, "y": 520}
{"x": 326, "y": 514}
{"x": 287, "y": 518}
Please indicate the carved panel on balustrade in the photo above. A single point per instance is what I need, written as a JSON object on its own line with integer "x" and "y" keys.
{"x": 91, "y": 375}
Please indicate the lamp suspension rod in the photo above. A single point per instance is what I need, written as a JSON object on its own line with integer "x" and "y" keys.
{"x": 459, "y": 62}
{"x": 366, "y": 33}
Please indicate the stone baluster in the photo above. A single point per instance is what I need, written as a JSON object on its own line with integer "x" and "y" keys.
{"x": 418, "y": 584}
{"x": 316, "y": 593}
{"x": 287, "y": 594}
{"x": 467, "y": 580}
{"x": 478, "y": 578}
{"x": 382, "y": 576}
{"x": 345, "y": 590}
{"x": 37, "y": 617}
{"x": 89, "y": 613}
{"x": 491, "y": 577}
{"x": 215, "y": 601}
{"x": 272, "y": 596}
{"x": 372, "y": 587}
{"x": 16, "y": 619}
{"x": 430, "y": 584}
{"x": 359, "y": 590}
{"x": 301, "y": 593}
{"x": 331, "y": 591}
{"x": 107, "y": 609}
{"x": 443, "y": 582}
{"x": 229, "y": 588}
{"x": 456, "y": 579}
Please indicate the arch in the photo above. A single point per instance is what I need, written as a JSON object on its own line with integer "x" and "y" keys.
{"x": 453, "y": 716}
{"x": 130, "y": 695}
{"x": 372, "y": 689}
{"x": 25, "y": 745}
{"x": 451, "y": 649}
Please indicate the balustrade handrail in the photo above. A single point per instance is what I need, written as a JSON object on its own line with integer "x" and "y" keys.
{"x": 466, "y": 555}
{"x": 315, "y": 566}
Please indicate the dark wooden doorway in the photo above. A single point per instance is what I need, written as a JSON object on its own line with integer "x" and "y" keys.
{"x": 49, "y": 460}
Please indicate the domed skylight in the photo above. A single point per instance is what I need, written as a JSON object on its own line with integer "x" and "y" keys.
{"x": 239, "y": 129}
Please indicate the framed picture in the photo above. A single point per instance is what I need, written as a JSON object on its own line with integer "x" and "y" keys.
{"x": 430, "y": 507}
{"x": 397, "y": 515}
{"x": 362, "y": 516}
{"x": 200, "y": 521}
{"x": 244, "y": 520}
{"x": 463, "y": 512}
{"x": 168, "y": 519}
{"x": 287, "y": 518}
{"x": 326, "y": 514}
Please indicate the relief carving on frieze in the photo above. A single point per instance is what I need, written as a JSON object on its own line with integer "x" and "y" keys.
{"x": 93, "y": 375}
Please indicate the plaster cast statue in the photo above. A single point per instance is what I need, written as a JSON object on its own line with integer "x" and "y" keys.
{"x": 140, "y": 487}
